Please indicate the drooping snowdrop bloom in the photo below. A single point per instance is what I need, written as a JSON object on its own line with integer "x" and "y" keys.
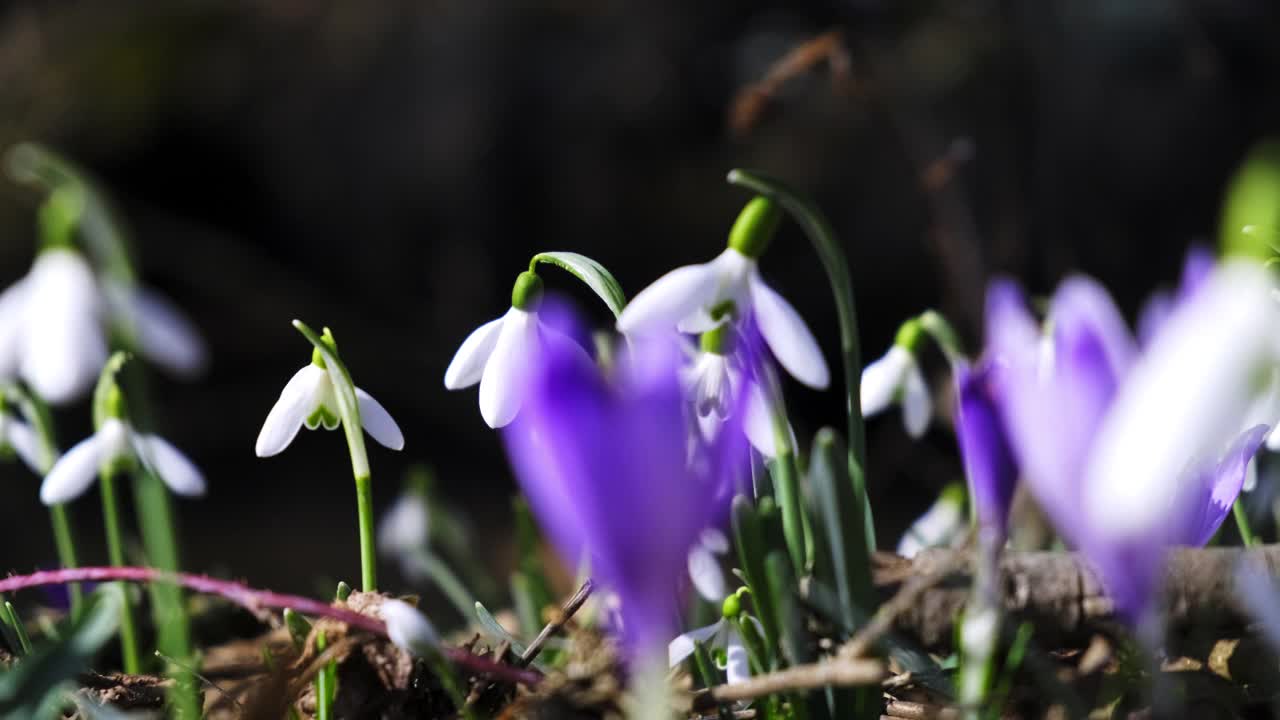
{"x": 697, "y": 298}
{"x": 722, "y": 638}
{"x": 1129, "y": 454}
{"x": 408, "y": 628}
{"x": 116, "y": 441}
{"x": 501, "y": 354}
{"x": 942, "y": 525}
{"x": 896, "y": 378}
{"x": 604, "y": 464}
{"x": 406, "y": 527}
{"x": 51, "y": 331}
{"x": 989, "y": 465}
{"x": 704, "y": 565}
{"x": 309, "y": 399}
{"x": 18, "y": 438}
{"x": 160, "y": 331}
{"x": 716, "y": 383}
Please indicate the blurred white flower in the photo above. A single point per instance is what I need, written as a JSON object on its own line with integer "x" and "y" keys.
{"x": 408, "y": 628}
{"x": 18, "y": 437}
{"x": 406, "y": 526}
{"x": 896, "y": 378}
{"x": 116, "y": 441}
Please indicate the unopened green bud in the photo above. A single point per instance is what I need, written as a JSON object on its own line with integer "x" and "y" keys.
{"x": 731, "y": 607}
{"x": 910, "y": 335}
{"x": 115, "y": 407}
{"x": 755, "y": 227}
{"x": 527, "y": 292}
{"x": 58, "y": 218}
{"x": 718, "y": 340}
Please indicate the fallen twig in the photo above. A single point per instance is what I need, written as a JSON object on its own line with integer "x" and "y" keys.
{"x": 570, "y": 608}
{"x": 834, "y": 672}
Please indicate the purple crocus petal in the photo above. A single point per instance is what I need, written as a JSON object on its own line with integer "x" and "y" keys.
{"x": 1153, "y": 314}
{"x": 1196, "y": 269}
{"x": 604, "y": 465}
{"x": 1083, "y": 313}
{"x": 984, "y": 446}
{"x": 1129, "y": 572}
{"x": 1213, "y": 491}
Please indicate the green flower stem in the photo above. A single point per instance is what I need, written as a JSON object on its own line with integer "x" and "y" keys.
{"x": 345, "y": 393}
{"x": 786, "y": 477}
{"x": 819, "y": 231}
{"x": 325, "y": 682}
{"x": 65, "y": 540}
{"x": 368, "y": 556}
{"x": 1247, "y": 538}
{"x": 447, "y": 581}
{"x": 946, "y": 337}
{"x": 115, "y": 553}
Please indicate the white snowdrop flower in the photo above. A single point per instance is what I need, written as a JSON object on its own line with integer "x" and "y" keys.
{"x": 18, "y": 437}
{"x": 722, "y": 639}
{"x": 310, "y": 399}
{"x": 896, "y": 378}
{"x": 501, "y": 354}
{"x": 1183, "y": 400}
{"x": 693, "y": 298}
{"x": 162, "y": 332}
{"x": 51, "y": 332}
{"x": 118, "y": 441}
{"x": 940, "y": 526}
{"x": 406, "y": 526}
{"x": 704, "y": 565}
{"x": 408, "y": 628}
{"x": 714, "y": 379}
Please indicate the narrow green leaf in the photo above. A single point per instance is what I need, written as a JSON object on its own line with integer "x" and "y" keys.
{"x": 18, "y": 629}
{"x": 491, "y": 627}
{"x": 596, "y": 277}
{"x": 841, "y": 526}
{"x": 528, "y": 612}
{"x": 326, "y": 682}
{"x": 299, "y": 628}
{"x": 748, "y": 535}
{"x": 796, "y": 644}
{"x": 446, "y": 580}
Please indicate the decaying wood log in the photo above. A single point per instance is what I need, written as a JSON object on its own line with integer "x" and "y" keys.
{"x": 1063, "y": 597}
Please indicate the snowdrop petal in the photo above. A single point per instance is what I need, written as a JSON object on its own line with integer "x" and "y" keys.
{"x": 165, "y": 334}
{"x": 378, "y": 422}
{"x": 408, "y": 628}
{"x": 939, "y": 526}
{"x": 170, "y": 465}
{"x": 502, "y": 386}
{"x": 63, "y": 344}
{"x": 23, "y": 439}
{"x": 670, "y": 299}
{"x": 714, "y": 540}
{"x": 74, "y": 472}
{"x": 12, "y": 306}
{"x": 406, "y": 526}
{"x": 882, "y": 379}
{"x": 737, "y": 665}
{"x": 705, "y": 572}
{"x": 757, "y": 422}
{"x": 296, "y": 402}
{"x": 467, "y": 366}
{"x": 684, "y": 645}
{"x": 787, "y": 336}
{"x": 917, "y": 405}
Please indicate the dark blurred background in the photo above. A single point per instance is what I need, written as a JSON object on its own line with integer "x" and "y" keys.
{"x": 386, "y": 168}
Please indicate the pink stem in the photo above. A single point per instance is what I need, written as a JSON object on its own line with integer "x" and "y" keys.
{"x": 255, "y": 600}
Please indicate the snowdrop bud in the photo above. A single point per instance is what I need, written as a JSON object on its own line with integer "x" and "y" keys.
{"x": 527, "y": 293}
{"x": 731, "y": 607}
{"x": 408, "y": 628}
{"x": 755, "y": 227}
{"x": 59, "y": 217}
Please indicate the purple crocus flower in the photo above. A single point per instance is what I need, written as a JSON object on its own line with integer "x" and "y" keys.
{"x": 604, "y": 463}
{"x": 1196, "y": 267}
{"x": 1081, "y": 400}
{"x": 989, "y": 465}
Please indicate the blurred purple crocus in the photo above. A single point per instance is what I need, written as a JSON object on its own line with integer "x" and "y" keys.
{"x": 604, "y": 463}
{"x": 989, "y": 464}
{"x": 1125, "y": 452}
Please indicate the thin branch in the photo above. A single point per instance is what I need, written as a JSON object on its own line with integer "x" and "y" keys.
{"x": 570, "y": 608}
{"x": 826, "y": 673}
{"x": 254, "y": 601}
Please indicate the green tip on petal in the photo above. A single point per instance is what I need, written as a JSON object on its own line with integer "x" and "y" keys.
{"x": 114, "y": 404}
{"x": 526, "y": 294}
{"x": 718, "y": 340}
{"x": 755, "y": 227}
{"x": 910, "y": 335}
{"x": 953, "y": 494}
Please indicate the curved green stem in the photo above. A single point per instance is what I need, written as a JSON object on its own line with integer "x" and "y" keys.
{"x": 1247, "y": 538}
{"x": 115, "y": 553}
